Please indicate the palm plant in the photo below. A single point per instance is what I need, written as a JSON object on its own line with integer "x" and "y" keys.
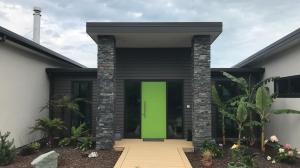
{"x": 48, "y": 127}
{"x": 263, "y": 105}
{"x": 64, "y": 105}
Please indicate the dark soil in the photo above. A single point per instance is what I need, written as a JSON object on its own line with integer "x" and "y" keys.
{"x": 260, "y": 160}
{"x": 74, "y": 158}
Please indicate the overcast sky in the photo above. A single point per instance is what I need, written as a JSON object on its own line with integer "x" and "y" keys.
{"x": 248, "y": 25}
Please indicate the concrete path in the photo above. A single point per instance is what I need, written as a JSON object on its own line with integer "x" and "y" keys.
{"x": 148, "y": 154}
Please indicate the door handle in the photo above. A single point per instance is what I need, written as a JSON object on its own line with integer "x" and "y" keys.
{"x": 144, "y": 108}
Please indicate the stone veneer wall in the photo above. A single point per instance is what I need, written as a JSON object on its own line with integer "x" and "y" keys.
{"x": 106, "y": 92}
{"x": 201, "y": 115}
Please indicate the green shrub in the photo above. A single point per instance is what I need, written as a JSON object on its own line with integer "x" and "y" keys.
{"x": 48, "y": 127}
{"x": 78, "y": 132}
{"x": 85, "y": 143}
{"x": 213, "y": 147}
{"x": 78, "y": 138}
{"x": 64, "y": 142}
{"x": 30, "y": 149}
{"x": 241, "y": 155}
{"x": 7, "y": 149}
{"x": 285, "y": 153}
{"x": 35, "y": 146}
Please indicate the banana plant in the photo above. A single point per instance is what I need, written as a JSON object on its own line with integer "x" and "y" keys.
{"x": 263, "y": 105}
{"x": 248, "y": 92}
{"x": 221, "y": 108}
{"x": 241, "y": 118}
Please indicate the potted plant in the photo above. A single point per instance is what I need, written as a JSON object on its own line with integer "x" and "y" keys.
{"x": 207, "y": 159}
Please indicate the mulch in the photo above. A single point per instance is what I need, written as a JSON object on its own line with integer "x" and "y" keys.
{"x": 72, "y": 158}
{"x": 259, "y": 159}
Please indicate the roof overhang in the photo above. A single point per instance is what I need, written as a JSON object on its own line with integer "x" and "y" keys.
{"x": 20, "y": 40}
{"x": 282, "y": 44}
{"x": 153, "y": 34}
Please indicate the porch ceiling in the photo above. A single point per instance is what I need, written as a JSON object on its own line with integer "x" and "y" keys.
{"x": 153, "y": 34}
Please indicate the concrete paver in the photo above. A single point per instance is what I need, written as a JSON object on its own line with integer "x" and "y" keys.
{"x": 153, "y": 154}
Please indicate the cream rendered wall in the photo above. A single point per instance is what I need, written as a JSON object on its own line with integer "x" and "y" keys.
{"x": 24, "y": 89}
{"x": 285, "y": 126}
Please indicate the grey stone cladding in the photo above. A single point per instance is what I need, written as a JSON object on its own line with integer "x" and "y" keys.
{"x": 106, "y": 92}
{"x": 201, "y": 114}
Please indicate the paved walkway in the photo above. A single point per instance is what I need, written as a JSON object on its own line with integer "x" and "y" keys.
{"x": 148, "y": 154}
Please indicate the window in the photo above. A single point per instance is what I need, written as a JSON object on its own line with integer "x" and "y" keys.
{"x": 82, "y": 90}
{"x": 288, "y": 87}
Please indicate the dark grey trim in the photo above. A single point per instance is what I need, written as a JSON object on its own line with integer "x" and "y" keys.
{"x": 112, "y": 28}
{"x": 280, "y": 45}
{"x": 259, "y": 70}
{"x": 9, "y": 35}
{"x": 94, "y": 70}
{"x": 55, "y": 71}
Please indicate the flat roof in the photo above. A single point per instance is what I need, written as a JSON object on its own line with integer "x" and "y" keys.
{"x": 9, "y": 35}
{"x": 93, "y": 71}
{"x": 153, "y": 34}
{"x": 282, "y": 44}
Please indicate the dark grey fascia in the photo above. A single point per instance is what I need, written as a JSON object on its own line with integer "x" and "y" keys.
{"x": 9, "y": 35}
{"x": 137, "y": 32}
{"x": 282, "y": 44}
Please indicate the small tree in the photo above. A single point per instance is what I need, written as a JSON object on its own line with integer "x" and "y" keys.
{"x": 263, "y": 108}
{"x": 48, "y": 127}
{"x": 7, "y": 149}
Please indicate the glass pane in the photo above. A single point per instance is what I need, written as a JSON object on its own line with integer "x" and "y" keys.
{"x": 132, "y": 109}
{"x": 175, "y": 109}
{"x": 295, "y": 85}
{"x": 282, "y": 86}
{"x": 82, "y": 89}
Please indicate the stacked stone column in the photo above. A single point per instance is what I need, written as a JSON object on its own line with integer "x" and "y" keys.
{"x": 201, "y": 114}
{"x": 105, "y": 92}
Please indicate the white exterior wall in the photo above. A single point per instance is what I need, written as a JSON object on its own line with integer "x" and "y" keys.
{"x": 285, "y": 126}
{"x": 24, "y": 89}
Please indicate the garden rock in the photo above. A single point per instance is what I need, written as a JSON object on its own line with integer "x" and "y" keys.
{"x": 46, "y": 160}
{"x": 93, "y": 155}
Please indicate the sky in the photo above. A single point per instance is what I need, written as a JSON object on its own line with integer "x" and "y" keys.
{"x": 248, "y": 25}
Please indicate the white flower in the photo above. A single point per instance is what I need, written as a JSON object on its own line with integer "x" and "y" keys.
{"x": 221, "y": 145}
{"x": 266, "y": 141}
{"x": 273, "y": 161}
{"x": 234, "y": 146}
{"x": 269, "y": 158}
{"x": 281, "y": 150}
{"x": 274, "y": 138}
{"x": 93, "y": 155}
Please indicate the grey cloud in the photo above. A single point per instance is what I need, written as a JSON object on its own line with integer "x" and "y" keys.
{"x": 247, "y": 25}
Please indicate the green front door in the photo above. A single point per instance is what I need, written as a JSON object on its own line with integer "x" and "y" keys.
{"x": 153, "y": 110}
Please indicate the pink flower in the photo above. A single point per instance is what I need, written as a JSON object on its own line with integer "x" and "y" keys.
{"x": 274, "y": 138}
{"x": 290, "y": 153}
{"x": 288, "y": 146}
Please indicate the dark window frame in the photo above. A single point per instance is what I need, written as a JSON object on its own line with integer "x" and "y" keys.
{"x": 289, "y": 91}
{"x": 90, "y": 84}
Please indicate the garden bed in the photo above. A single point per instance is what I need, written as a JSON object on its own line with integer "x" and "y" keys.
{"x": 260, "y": 160}
{"x": 70, "y": 157}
